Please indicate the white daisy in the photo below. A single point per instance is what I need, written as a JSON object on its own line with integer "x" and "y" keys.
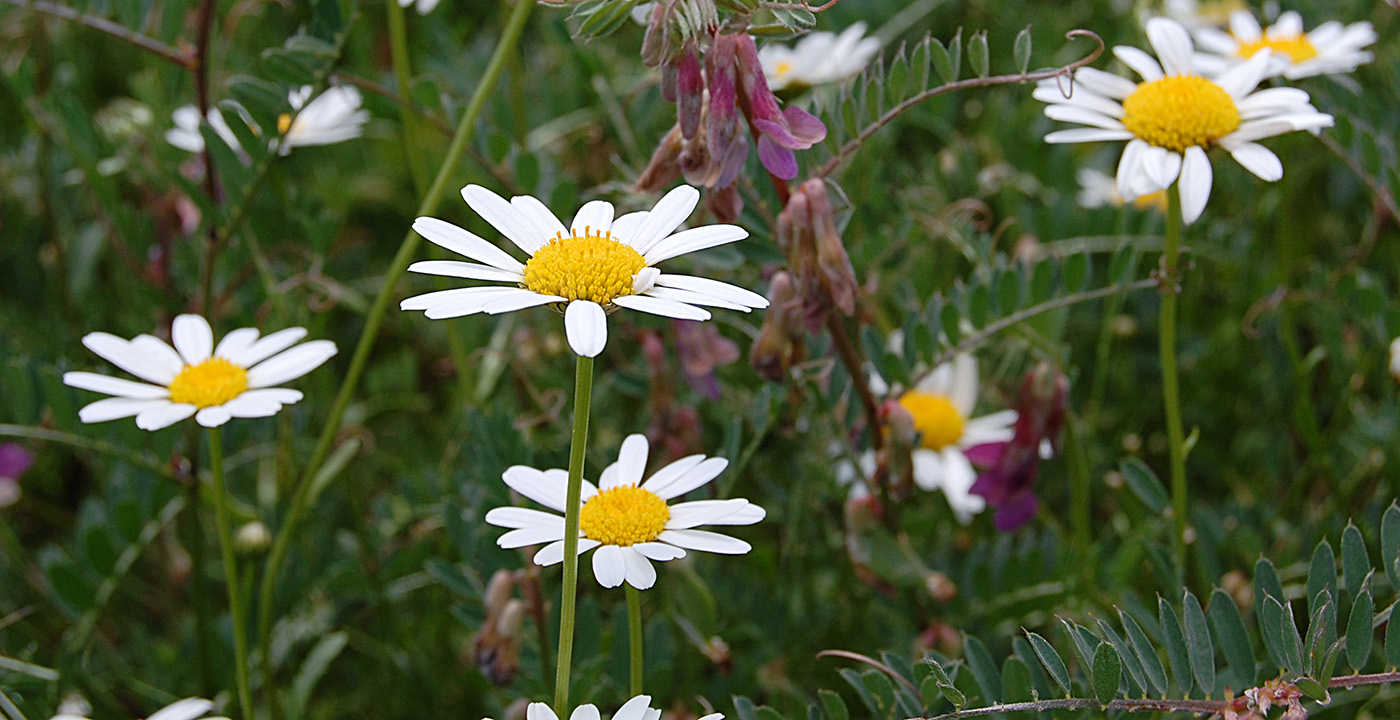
{"x": 627, "y": 520}
{"x": 1329, "y": 49}
{"x": 196, "y": 378}
{"x": 187, "y": 709}
{"x": 1099, "y": 189}
{"x": 1173, "y": 116}
{"x": 638, "y": 708}
{"x": 424, "y": 6}
{"x": 820, "y": 57}
{"x": 334, "y": 116}
{"x": 1206, "y": 13}
{"x": 185, "y": 135}
{"x": 588, "y": 269}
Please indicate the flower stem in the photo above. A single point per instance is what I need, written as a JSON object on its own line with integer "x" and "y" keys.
{"x": 398, "y": 51}
{"x": 583, "y": 399}
{"x": 1171, "y": 393}
{"x": 237, "y": 610}
{"x": 634, "y": 632}
{"x": 510, "y": 36}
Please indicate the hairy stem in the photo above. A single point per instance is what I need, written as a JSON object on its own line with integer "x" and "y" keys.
{"x": 634, "y": 634}
{"x": 578, "y": 447}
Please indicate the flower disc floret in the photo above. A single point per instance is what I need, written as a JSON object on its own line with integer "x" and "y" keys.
{"x": 1297, "y": 48}
{"x": 586, "y": 266}
{"x": 1181, "y": 111}
{"x": 212, "y": 382}
{"x": 936, "y": 418}
{"x": 623, "y": 516}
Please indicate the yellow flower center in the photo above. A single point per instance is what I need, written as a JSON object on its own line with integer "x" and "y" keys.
{"x": 584, "y": 267}
{"x": 284, "y": 123}
{"x": 624, "y": 516}
{"x": 1180, "y": 111}
{"x": 212, "y": 382}
{"x": 935, "y": 417}
{"x": 782, "y": 69}
{"x": 1297, "y": 48}
{"x": 1156, "y": 200}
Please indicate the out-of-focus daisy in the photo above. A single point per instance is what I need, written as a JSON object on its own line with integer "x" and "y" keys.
{"x": 187, "y": 709}
{"x": 587, "y": 270}
{"x": 638, "y": 708}
{"x": 1331, "y": 48}
{"x": 820, "y": 57}
{"x": 1098, "y": 189}
{"x": 214, "y": 384}
{"x": 334, "y": 116}
{"x": 1173, "y": 116}
{"x": 14, "y": 461}
{"x": 1395, "y": 358}
{"x": 185, "y": 135}
{"x": 1201, "y": 13}
{"x": 424, "y": 6}
{"x": 627, "y": 520}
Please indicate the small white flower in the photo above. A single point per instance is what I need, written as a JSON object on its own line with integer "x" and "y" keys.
{"x": 1330, "y": 49}
{"x": 1098, "y": 189}
{"x": 185, "y": 135}
{"x": 1395, "y": 358}
{"x": 1174, "y": 116}
{"x": 1207, "y": 13}
{"x": 638, "y": 708}
{"x": 424, "y": 6}
{"x": 334, "y": 116}
{"x": 196, "y": 378}
{"x": 187, "y": 709}
{"x": 588, "y": 269}
{"x": 820, "y": 57}
{"x": 627, "y": 520}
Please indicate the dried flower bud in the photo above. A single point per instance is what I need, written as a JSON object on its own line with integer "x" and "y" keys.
{"x": 497, "y": 650}
{"x": 498, "y": 591}
{"x": 665, "y": 166}
{"x": 807, "y": 234}
{"x": 780, "y": 340}
{"x": 838, "y": 277}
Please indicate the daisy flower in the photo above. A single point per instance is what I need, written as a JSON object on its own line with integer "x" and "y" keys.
{"x": 638, "y": 708}
{"x": 1331, "y": 48}
{"x": 185, "y": 135}
{"x": 820, "y": 57}
{"x": 214, "y": 384}
{"x": 334, "y": 116}
{"x": 1098, "y": 189}
{"x": 424, "y": 6}
{"x": 627, "y": 520}
{"x": 187, "y": 709}
{"x": 1173, "y": 116}
{"x": 588, "y": 269}
{"x": 1201, "y": 13}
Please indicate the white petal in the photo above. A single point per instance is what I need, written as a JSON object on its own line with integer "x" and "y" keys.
{"x": 186, "y": 709}
{"x": 159, "y": 360}
{"x": 586, "y": 711}
{"x": 1172, "y": 43}
{"x": 1270, "y": 101}
{"x": 114, "y": 386}
{"x": 586, "y": 327}
{"x": 699, "y": 474}
{"x": 471, "y": 271}
{"x": 1105, "y": 83}
{"x": 1141, "y": 63}
{"x": 236, "y": 343}
{"x": 747, "y": 515}
{"x": 480, "y": 301}
{"x": 126, "y": 356}
{"x": 625, "y": 228}
{"x": 523, "y": 537}
{"x": 1130, "y": 168}
{"x": 660, "y": 552}
{"x": 261, "y": 403}
{"x": 702, "y": 512}
{"x": 517, "y": 301}
{"x": 958, "y": 477}
{"x": 516, "y": 518}
{"x": 664, "y": 308}
{"x": 634, "y": 709}
{"x": 1241, "y": 79}
{"x": 1195, "y": 183}
{"x": 543, "y": 488}
{"x": 1259, "y": 160}
{"x": 540, "y": 711}
{"x": 928, "y": 469}
{"x": 1244, "y": 27}
{"x": 963, "y": 391}
{"x": 1083, "y": 116}
{"x": 293, "y": 363}
{"x": 607, "y": 479}
{"x": 504, "y": 217}
{"x": 554, "y": 552}
{"x": 595, "y": 217}
{"x": 669, "y": 474}
{"x": 165, "y": 415}
{"x": 994, "y": 427}
{"x": 115, "y": 408}
{"x": 669, "y": 212}
{"x": 193, "y": 338}
{"x": 267, "y": 347}
{"x": 688, "y": 241}
{"x": 705, "y": 540}
{"x": 462, "y": 242}
{"x": 1078, "y": 135}
{"x": 687, "y": 297}
{"x": 713, "y": 288}
{"x": 546, "y": 226}
{"x": 639, "y": 572}
{"x": 632, "y": 460}
{"x": 212, "y": 417}
{"x": 608, "y": 566}
{"x": 1162, "y": 165}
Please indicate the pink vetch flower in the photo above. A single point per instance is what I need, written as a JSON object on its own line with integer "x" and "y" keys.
{"x": 14, "y": 462}
{"x": 1008, "y": 482}
{"x": 780, "y": 131}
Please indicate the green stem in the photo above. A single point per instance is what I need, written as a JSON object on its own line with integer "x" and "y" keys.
{"x": 1171, "y": 392}
{"x": 509, "y": 37}
{"x": 398, "y": 51}
{"x": 583, "y": 399}
{"x": 237, "y": 609}
{"x": 1079, "y": 484}
{"x": 634, "y": 632}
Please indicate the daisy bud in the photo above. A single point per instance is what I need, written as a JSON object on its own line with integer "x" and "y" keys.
{"x": 780, "y": 340}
